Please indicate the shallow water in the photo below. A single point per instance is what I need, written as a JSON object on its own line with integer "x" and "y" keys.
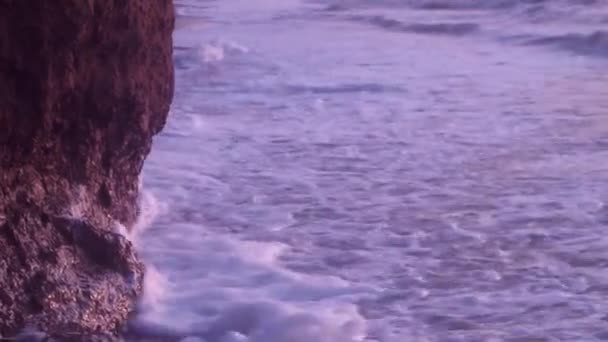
{"x": 381, "y": 171}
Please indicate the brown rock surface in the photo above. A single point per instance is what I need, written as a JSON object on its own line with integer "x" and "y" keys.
{"x": 84, "y": 86}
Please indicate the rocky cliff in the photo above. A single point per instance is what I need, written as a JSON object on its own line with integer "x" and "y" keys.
{"x": 84, "y": 86}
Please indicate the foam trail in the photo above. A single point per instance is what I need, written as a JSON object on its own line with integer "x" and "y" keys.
{"x": 594, "y": 44}
{"x": 223, "y": 289}
{"x": 219, "y": 288}
{"x": 212, "y": 53}
{"x": 149, "y": 209}
{"x": 216, "y": 51}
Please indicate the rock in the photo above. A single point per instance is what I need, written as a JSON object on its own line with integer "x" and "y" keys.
{"x": 84, "y": 87}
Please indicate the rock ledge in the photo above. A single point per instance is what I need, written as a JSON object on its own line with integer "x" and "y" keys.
{"x": 85, "y": 85}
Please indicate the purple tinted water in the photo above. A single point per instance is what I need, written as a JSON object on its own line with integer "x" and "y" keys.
{"x": 381, "y": 171}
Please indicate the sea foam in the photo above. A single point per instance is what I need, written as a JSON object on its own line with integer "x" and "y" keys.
{"x": 219, "y": 288}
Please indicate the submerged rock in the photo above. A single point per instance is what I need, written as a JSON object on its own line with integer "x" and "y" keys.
{"x": 84, "y": 86}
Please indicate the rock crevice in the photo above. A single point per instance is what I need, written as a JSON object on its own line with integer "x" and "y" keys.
{"x": 85, "y": 85}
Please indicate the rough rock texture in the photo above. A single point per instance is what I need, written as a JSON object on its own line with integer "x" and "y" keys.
{"x": 84, "y": 86}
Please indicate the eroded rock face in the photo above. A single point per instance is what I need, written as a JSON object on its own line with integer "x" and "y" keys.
{"x": 84, "y": 86}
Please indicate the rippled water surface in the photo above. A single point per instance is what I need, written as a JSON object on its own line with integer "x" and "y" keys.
{"x": 381, "y": 171}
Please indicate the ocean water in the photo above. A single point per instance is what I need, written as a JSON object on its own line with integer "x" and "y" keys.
{"x": 389, "y": 171}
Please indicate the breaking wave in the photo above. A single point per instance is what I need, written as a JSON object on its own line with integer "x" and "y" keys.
{"x": 457, "y": 29}
{"x": 235, "y": 290}
{"x": 593, "y": 44}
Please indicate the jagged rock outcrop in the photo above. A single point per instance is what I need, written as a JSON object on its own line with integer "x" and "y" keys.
{"x": 84, "y": 86}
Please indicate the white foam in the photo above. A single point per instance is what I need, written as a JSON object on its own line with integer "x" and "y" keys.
{"x": 236, "y": 47}
{"x": 224, "y": 289}
{"x": 211, "y": 52}
{"x": 216, "y": 51}
{"x": 235, "y": 337}
{"x": 149, "y": 209}
{"x": 228, "y": 290}
{"x": 197, "y": 122}
{"x": 120, "y": 228}
{"x": 155, "y": 287}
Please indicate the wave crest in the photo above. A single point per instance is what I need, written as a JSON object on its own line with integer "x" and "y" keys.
{"x": 595, "y": 44}
{"x": 445, "y": 28}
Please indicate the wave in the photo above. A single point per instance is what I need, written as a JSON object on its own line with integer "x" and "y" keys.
{"x": 584, "y": 11}
{"x": 459, "y": 5}
{"x": 186, "y": 58}
{"x": 444, "y": 28}
{"x": 494, "y": 4}
{"x": 337, "y": 5}
{"x": 426, "y": 4}
{"x": 219, "y": 288}
{"x": 238, "y": 292}
{"x": 372, "y": 88}
{"x": 456, "y": 29}
{"x": 592, "y": 44}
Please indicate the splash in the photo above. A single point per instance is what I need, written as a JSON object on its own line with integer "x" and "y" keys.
{"x": 219, "y": 288}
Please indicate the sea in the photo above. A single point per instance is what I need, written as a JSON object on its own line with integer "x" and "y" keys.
{"x": 380, "y": 171}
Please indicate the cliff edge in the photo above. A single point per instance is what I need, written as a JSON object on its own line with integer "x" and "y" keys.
{"x": 84, "y": 86}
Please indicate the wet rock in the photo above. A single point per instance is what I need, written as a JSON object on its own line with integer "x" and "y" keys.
{"x": 84, "y": 86}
